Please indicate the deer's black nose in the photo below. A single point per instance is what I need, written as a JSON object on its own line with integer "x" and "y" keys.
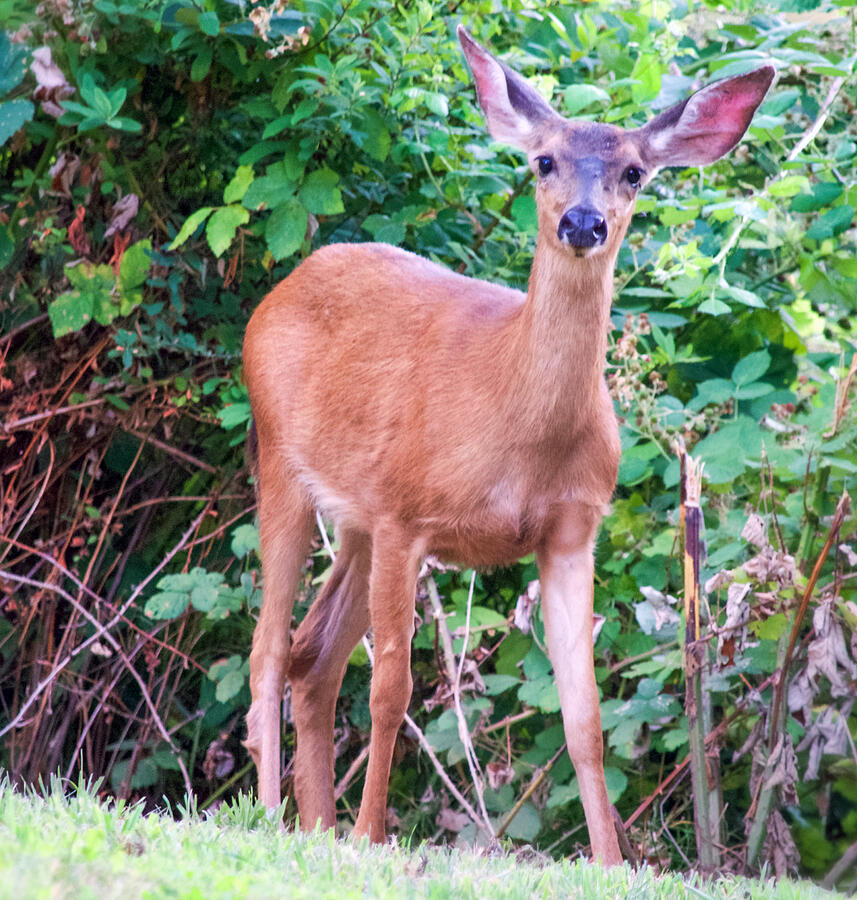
{"x": 582, "y": 226}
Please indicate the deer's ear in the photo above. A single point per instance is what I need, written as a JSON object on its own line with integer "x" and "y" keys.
{"x": 707, "y": 125}
{"x": 513, "y": 109}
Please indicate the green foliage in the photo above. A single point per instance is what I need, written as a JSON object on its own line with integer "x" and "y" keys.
{"x": 247, "y": 143}
{"x": 14, "y": 111}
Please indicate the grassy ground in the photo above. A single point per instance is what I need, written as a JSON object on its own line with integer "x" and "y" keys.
{"x": 78, "y": 847}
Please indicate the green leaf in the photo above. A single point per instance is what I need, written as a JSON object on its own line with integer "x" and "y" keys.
{"x": 13, "y": 63}
{"x": 753, "y": 390}
{"x": 319, "y": 193}
{"x": 647, "y": 74}
{"x": 222, "y": 226}
{"x": 497, "y": 684}
{"x": 524, "y": 214}
{"x": 206, "y": 587}
{"x": 237, "y": 188}
{"x": 770, "y": 629}
{"x": 304, "y": 110}
{"x": 286, "y": 229}
{"x": 822, "y": 194}
{"x": 384, "y": 229}
{"x": 69, "y": 312}
{"x": 672, "y": 215}
{"x": 89, "y": 92}
{"x": 673, "y": 739}
{"x": 201, "y": 64}
{"x": 270, "y": 190}
{"x": 7, "y": 247}
{"x": 748, "y": 298}
{"x": 91, "y": 299}
{"x": 235, "y": 414}
{"x": 727, "y": 451}
{"x": 833, "y": 222}
{"x": 617, "y": 781}
{"x": 541, "y": 693}
{"x": 132, "y": 275}
{"x": 526, "y": 824}
{"x": 166, "y": 605}
{"x": 209, "y": 24}
{"x": 437, "y": 103}
{"x": 278, "y": 125}
{"x": 579, "y": 96}
{"x": 124, "y": 124}
{"x": 781, "y": 102}
{"x": 14, "y": 114}
{"x": 229, "y": 685}
{"x": 714, "y": 307}
{"x": 193, "y": 221}
{"x": 751, "y": 367}
{"x": 789, "y": 186}
{"x": 376, "y": 138}
{"x": 244, "y": 539}
{"x": 116, "y": 98}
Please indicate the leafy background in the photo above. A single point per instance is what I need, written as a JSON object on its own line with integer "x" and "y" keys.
{"x": 164, "y": 164}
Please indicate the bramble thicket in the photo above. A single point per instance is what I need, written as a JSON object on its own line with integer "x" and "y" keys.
{"x": 164, "y": 164}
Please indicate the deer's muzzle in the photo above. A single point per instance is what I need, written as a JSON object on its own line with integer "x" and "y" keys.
{"x": 582, "y": 226}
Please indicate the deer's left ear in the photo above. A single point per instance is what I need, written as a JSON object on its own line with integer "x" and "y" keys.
{"x": 707, "y": 125}
{"x": 513, "y": 108}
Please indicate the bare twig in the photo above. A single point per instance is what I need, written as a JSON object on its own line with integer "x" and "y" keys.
{"x": 351, "y": 774}
{"x": 536, "y": 780}
{"x": 173, "y": 451}
{"x": 102, "y": 629}
{"x": 454, "y": 678}
{"x": 847, "y": 860}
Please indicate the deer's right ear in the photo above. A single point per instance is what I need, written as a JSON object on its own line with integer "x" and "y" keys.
{"x": 513, "y": 109}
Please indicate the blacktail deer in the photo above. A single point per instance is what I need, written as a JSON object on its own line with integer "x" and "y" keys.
{"x": 431, "y": 413}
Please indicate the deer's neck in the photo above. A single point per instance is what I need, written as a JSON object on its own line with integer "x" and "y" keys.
{"x": 561, "y": 339}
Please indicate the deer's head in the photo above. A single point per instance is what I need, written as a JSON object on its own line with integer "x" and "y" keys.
{"x": 587, "y": 173}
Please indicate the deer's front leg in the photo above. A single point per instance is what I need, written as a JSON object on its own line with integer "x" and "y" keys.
{"x": 566, "y": 572}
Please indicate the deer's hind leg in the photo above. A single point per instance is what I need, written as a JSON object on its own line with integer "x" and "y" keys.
{"x": 336, "y": 621}
{"x": 285, "y": 526}
{"x": 396, "y": 559}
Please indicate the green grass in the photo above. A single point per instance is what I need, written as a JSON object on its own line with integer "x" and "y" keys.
{"x": 71, "y": 844}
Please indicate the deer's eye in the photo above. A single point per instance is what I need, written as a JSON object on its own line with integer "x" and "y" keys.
{"x": 633, "y": 176}
{"x": 545, "y": 165}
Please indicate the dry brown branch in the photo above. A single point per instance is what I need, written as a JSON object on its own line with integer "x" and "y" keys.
{"x": 102, "y": 629}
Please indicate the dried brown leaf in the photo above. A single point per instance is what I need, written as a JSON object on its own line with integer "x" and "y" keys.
{"x": 51, "y": 84}
{"x": 450, "y": 820}
{"x": 499, "y": 773}
{"x": 525, "y": 606}
{"x": 124, "y": 211}
{"x": 756, "y": 531}
{"x": 780, "y": 847}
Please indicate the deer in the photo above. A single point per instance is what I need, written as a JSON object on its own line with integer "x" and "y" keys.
{"x": 427, "y": 412}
